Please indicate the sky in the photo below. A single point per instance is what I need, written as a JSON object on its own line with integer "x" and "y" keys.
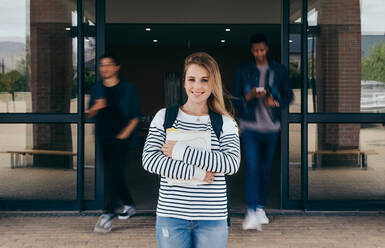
{"x": 13, "y": 18}
{"x": 372, "y": 16}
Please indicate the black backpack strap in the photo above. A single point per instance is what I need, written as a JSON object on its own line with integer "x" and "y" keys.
{"x": 170, "y": 117}
{"x": 216, "y": 122}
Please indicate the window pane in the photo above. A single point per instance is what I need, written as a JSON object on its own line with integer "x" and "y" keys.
{"x": 89, "y": 48}
{"x": 346, "y": 161}
{"x": 89, "y": 162}
{"x": 295, "y": 70}
{"x": 295, "y": 53}
{"x": 38, "y": 56}
{"x": 295, "y": 162}
{"x": 89, "y": 79}
{"x": 38, "y": 161}
{"x": 346, "y": 56}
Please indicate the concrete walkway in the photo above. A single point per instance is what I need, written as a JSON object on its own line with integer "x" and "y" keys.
{"x": 287, "y": 229}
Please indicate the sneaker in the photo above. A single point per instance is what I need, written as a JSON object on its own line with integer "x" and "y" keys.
{"x": 261, "y": 215}
{"x": 104, "y": 223}
{"x": 126, "y": 212}
{"x": 251, "y": 221}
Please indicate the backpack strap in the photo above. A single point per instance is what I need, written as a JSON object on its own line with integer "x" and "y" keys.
{"x": 170, "y": 117}
{"x": 216, "y": 122}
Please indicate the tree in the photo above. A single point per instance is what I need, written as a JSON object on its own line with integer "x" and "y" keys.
{"x": 89, "y": 80}
{"x": 15, "y": 80}
{"x": 373, "y": 66}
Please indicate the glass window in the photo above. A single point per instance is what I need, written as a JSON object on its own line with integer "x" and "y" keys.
{"x": 89, "y": 79}
{"x": 346, "y": 161}
{"x": 346, "y": 56}
{"x": 295, "y": 53}
{"x": 38, "y": 161}
{"x": 38, "y": 56}
{"x": 89, "y": 49}
{"x": 89, "y": 162}
{"x": 295, "y": 162}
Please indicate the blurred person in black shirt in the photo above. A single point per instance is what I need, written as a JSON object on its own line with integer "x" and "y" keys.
{"x": 114, "y": 103}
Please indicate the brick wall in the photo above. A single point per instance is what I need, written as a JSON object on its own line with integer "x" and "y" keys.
{"x": 339, "y": 73}
{"x": 51, "y": 77}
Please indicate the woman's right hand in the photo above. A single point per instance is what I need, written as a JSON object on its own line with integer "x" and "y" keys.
{"x": 209, "y": 177}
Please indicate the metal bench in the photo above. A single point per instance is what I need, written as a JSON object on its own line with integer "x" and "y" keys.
{"x": 362, "y": 156}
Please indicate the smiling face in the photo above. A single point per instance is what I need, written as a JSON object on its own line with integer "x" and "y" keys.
{"x": 196, "y": 84}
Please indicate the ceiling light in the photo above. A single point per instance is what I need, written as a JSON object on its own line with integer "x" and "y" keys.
{"x": 155, "y": 41}
{"x": 228, "y": 30}
{"x": 68, "y": 29}
{"x": 148, "y": 29}
{"x": 223, "y": 41}
{"x": 291, "y": 41}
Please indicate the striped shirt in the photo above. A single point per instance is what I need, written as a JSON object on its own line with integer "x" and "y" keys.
{"x": 192, "y": 202}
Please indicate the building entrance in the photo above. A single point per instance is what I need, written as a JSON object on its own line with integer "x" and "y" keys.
{"x": 152, "y": 57}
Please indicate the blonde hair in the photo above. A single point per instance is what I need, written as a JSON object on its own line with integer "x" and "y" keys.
{"x": 216, "y": 101}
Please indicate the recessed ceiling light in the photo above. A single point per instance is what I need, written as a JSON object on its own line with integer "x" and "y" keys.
{"x": 228, "y": 30}
{"x": 155, "y": 41}
{"x": 148, "y": 29}
{"x": 223, "y": 41}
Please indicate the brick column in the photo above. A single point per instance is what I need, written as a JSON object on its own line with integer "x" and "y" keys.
{"x": 51, "y": 77}
{"x": 338, "y": 74}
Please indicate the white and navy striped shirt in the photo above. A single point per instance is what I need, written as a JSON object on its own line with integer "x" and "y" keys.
{"x": 192, "y": 202}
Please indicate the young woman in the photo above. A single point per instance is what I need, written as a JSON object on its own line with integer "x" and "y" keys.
{"x": 194, "y": 215}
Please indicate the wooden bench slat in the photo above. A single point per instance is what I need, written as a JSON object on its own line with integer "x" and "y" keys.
{"x": 342, "y": 152}
{"x": 361, "y": 154}
{"x": 16, "y": 154}
{"x": 43, "y": 152}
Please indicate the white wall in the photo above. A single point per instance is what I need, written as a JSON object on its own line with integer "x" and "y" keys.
{"x": 198, "y": 11}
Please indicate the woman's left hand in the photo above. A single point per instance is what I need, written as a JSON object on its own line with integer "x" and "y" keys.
{"x": 168, "y": 148}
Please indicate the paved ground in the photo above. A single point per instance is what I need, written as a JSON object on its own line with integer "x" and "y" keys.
{"x": 287, "y": 229}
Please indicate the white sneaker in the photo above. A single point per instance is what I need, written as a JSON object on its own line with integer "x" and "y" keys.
{"x": 261, "y": 215}
{"x": 251, "y": 222}
{"x": 126, "y": 212}
{"x": 104, "y": 223}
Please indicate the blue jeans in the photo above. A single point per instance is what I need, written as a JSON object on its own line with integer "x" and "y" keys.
{"x": 259, "y": 151}
{"x": 180, "y": 233}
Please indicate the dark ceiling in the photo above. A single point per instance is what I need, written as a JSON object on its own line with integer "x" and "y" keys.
{"x": 188, "y": 34}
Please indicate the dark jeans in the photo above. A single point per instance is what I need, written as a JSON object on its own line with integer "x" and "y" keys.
{"x": 259, "y": 151}
{"x": 115, "y": 174}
